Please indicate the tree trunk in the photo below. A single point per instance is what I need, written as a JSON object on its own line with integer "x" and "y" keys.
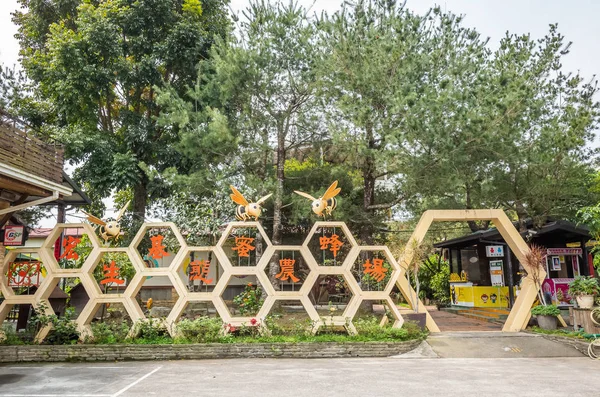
{"x": 278, "y": 203}
{"x": 140, "y": 199}
{"x": 368, "y": 174}
{"x": 474, "y": 225}
{"x": 521, "y": 216}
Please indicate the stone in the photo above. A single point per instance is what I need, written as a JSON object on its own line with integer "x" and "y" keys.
{"x": 160, "y": 311}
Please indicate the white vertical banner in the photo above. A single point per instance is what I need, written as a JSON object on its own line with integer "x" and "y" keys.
{"x": 496, "y": 273}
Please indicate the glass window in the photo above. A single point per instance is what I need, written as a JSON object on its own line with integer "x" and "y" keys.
{"x": 470, "y": 264}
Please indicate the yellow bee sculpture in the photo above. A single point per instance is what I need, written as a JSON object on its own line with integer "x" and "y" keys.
{"x": 246, "y": 210}
{"x": 109, "y": 230}
{"x": 326, "y": 203}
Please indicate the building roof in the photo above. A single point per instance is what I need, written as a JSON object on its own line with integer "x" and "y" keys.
{"x": 568, "y": 230}
{"x": 43, "y": 232}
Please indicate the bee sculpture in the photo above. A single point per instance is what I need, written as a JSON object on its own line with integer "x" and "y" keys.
{"x": 326, "y": 203}
{"x": 246, "y": 210}
{"x": 109, "y": 230}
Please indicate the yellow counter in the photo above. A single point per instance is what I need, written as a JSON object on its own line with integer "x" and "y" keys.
{"x": 466, "y": 294}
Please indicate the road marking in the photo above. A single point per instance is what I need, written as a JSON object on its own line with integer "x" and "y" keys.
{"x": 64, "y": 367}
{"x": 101, "y": 367}
{"x": 123, "y": 390}
{"x": 55, "y": 395}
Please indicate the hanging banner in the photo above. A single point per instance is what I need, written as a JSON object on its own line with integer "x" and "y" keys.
{"x": 496, "y": 273}
{"x": 565, "y": 251}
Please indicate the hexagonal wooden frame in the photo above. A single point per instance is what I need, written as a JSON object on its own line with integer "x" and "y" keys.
{"x": 396, "y": 270}
{"x": 246, "y": 225}
{"x": 310, "y": 278}
{"x": 140, "y": 236}
{"x": 347, "y": 264}
{"x": 520, "y": 313}
{"x": 94, "y": 261}
{"x": 47, "y": 248}
{"x": 516, "y": 321}
{"x": 390, "y": 304}
{"x": 36, "y": 300}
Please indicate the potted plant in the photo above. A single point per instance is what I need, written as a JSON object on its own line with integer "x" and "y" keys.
{"x": 584, "y": 289}
{"x": 546, "y": 316}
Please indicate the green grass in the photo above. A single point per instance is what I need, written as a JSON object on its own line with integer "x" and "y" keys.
{"x": 558, "y": 332}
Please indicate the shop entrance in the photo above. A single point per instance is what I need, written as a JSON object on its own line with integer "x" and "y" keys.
{"x": 484, "y": 271}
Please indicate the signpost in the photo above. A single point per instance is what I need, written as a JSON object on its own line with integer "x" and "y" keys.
{"x": 494, "y": 251}
{"x": 496, "y": 273}
{"x": 14, "y": 235}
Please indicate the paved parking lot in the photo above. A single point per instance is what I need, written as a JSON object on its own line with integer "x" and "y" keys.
{"x": 316, "y": 377}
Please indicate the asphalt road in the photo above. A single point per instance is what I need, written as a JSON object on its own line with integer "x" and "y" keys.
{"x": 317, "y": 377}
{"x": 450, "y": 364}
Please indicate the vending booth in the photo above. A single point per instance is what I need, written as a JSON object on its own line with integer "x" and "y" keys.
{"x": 562, "y": 266}
{"x": 484, "y": 270}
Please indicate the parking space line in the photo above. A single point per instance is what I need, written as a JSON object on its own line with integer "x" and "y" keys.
{"x": 23, "y": 367}
{"x": 123, "y": 390}
{"x": 55, "y": 395}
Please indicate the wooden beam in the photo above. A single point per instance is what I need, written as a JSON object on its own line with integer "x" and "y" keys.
{"x": 7, "y": 216}
{"x": 22, "y": 187}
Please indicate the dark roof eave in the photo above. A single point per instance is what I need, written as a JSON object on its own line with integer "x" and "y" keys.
{"x": 473, "y": 238}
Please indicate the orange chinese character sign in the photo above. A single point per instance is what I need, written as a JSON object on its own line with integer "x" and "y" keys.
{"x": 112, "y": 274}
{"x": 286, "y": 272}
{"x": 375, "y": 269}
{"x": 69, "y": 244}
{"x": 199, "y": 270}
{"x": 333, "y": 243}
{"x": 157, "y": 250}
{"x": 24, "y": 274}
{"x": 243, "y": 246}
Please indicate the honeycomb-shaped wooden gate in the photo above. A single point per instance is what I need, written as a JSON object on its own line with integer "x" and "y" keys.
{"x": 329, "y": 260}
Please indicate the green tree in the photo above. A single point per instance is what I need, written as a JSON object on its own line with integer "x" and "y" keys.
{"x": 98, "y": 63}
{"x": 548, "y": 123}
{"x": 267, "y": 84}
{"x": 382, "y": 74}
{"x": 509, "y": 130}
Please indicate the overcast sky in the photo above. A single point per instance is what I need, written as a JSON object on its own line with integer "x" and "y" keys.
{"x": 577, "y": 21}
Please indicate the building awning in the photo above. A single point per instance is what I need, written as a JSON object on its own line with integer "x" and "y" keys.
{"x": 567, "y": 230}
{"x": 77, "y": 198}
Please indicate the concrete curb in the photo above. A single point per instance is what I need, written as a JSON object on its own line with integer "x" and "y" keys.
{"x": 581, "y": 345}
{"x": 130, "y": 352}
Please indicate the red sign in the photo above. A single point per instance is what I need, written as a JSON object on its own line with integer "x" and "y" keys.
{"x": 565, "y": 251}
{"x": 13, "y": 235}
{"x": 24, "y": 274}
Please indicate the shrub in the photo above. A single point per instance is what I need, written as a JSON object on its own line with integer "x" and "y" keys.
{"x": 291, "y": 327}
{"x": 369, "y": 327}
{"x": 440, "y": 286}
{"x": 249, "y": 300}
{"x": 584, "y": 285}
{"x": 549, "y": 310}
{"x": 150, "y": 330}
{"x": 108, "y": 333}
{"x": 64, "y": 330}
{"x": 201, "y": 330}
{"x": 8, "y": 336}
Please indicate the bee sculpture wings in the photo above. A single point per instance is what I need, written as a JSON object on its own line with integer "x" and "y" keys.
{"x": 246, "y": 210}
{"x": 326, "y": 203}
{"x": 108, "y": 229}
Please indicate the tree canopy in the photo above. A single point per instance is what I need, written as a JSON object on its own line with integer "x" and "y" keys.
{"x": 98, "y": 64}
{"x": 170, "y": 101}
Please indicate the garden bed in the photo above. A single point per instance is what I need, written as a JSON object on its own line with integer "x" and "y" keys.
{"x": 198, "y": 351}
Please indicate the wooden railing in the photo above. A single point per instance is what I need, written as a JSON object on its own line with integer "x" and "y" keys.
{"x": 22, "y": 149}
